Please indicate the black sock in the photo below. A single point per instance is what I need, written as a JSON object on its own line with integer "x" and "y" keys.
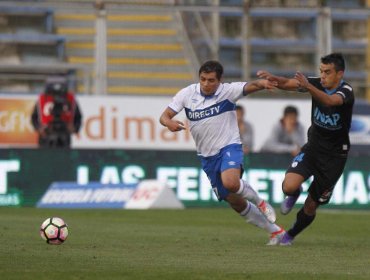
{"x": 303, "y": 221}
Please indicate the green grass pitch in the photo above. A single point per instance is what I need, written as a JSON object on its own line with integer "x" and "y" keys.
{"x": 180, "y": 244}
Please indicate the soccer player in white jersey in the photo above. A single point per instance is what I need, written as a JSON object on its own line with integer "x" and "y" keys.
{"x": 210, "y": 108}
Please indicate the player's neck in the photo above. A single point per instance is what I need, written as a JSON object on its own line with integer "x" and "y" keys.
{"x": 334, "y": 89}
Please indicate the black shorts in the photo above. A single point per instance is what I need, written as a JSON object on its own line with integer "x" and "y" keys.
{"x": 326, "y": 170}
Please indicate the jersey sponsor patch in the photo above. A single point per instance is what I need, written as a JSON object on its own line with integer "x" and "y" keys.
{"x": 329, "y": 121}
{"x": 214, "y": 110}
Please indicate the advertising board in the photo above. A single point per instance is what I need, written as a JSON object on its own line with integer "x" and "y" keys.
{"x": 26, "y": 174}
{"x": 132, "y": 122}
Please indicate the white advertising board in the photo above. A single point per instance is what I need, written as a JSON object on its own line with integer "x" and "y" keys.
{"x": 133, "y": 122}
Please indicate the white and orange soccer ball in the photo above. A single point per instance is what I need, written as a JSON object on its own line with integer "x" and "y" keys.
{"x": 54, "y": 231}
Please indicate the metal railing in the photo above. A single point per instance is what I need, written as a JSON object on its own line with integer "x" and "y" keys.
{"x": 210, "y": 33}
{"x": 38, "y": 73}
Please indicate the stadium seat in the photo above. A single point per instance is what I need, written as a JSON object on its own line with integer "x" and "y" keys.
{"x": 145, "y": 51}
{"x": 27, "y": 40}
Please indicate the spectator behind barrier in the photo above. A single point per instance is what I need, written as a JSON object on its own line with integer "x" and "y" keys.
{"x": 245, "y": 129}
{"x": 56, "y": 115}
{"x": 287, "y": 136}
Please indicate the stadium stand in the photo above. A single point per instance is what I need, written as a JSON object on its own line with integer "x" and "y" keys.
{"x": 30, "y": 49}
{"x": 285, "y": 38}
{"x": 28, "y": 19}
{"x": 293, "y": 34}
{"x": 145, "y": 50}
{"x": 155, "y": 47}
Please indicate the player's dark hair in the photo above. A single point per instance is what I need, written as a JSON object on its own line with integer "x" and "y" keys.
{"x": 212, "y": 66}
{"x": 290, "y": 110}
{"x": 335, "y": 58}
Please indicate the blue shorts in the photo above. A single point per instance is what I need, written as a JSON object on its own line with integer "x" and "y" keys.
{"x": 230, "y": 156}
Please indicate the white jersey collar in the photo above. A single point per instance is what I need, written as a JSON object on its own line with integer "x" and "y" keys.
{"x": 218, "y": 91}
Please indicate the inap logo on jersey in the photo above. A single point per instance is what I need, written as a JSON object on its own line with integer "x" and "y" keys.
{"x": 327, "y": 121}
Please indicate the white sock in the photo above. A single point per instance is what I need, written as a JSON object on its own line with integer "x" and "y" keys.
{"x": 246, "y": 191}
{"x": 253, "y": 216}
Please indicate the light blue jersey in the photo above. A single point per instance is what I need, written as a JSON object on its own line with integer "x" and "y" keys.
{"x": 212, "y": 119}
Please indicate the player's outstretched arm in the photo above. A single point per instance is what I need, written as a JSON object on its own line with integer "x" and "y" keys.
{"x": 282, "y": 82}
{"x": 257, "y": 85}
{"x": 322, "y": 97}
{"x": 166, "y": 120}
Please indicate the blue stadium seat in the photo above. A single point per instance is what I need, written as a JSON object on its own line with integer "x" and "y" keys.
{"x": 45, "y": 13}
{"x": 36, "y": 39}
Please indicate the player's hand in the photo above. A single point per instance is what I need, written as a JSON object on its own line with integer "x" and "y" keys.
{"x": 302, "y": 80}
{"x": 262, "y": 74}
{"x": 175, "y": 125}
{"x": 268, "y": 84}
{"x": 246, "y": 150}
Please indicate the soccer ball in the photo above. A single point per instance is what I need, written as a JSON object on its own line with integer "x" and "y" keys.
{"x": 54, "y": 231}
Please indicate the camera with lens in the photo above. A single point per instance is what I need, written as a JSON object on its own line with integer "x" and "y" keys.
{"x": 57, "y": 130}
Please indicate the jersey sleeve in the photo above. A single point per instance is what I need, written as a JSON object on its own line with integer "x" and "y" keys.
{"x": 237, "y": 91}
{"x": 346, "y": 92}
{"x": 315, "y": 81}
{"x": 178, "y": 101}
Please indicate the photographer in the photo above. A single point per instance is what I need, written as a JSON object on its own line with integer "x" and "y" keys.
{"x": 56, "y": 114}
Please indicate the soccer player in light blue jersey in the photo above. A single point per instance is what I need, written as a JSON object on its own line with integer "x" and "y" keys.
{"x": 210, "y": 107}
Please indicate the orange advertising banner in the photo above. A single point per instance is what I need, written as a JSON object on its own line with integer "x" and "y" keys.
{"x": 15, "y": 122}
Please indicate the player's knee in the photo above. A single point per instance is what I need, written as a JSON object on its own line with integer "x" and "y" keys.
{"x": 289, "y": 188}
{"x": 231, "y": 184}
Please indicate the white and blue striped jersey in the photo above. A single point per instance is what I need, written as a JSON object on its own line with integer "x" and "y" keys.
{"x": 212, "y": 119}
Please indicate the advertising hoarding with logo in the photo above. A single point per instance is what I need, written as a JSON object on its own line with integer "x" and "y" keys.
{"x": 129, "y": 122}
{"x": 26, "y": 174}
{"x": 15, "y": 123}
{"x": 360, "y": 128}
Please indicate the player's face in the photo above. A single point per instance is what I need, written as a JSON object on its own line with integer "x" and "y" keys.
{"x": 330, "y": 78}
{"x": 208, "y": 83}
